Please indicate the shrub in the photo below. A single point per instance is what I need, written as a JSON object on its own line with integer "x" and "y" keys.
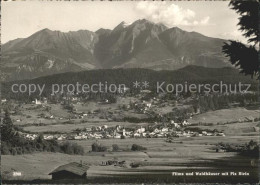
{"x": 72, "y": 148}
{"x": 96, "y": 147}
{"x": 122, "y": 137}
{"x": 5, "y": 149}
{"x": 136, "y": 147}
{"x": 250, "y": 149}
{"x": 115, "y": 147}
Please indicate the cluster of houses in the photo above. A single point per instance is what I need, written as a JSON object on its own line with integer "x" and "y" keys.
{"x": 113, "y": 162}
{"x": 59, "y": 137}
{"x": 30, "y": 136}
{"x": 142, "y": 107}
{"x": 104, "y": 132}
{"x": 40, "y": 102}
{"x": 3, "y": 100}
{"x": 119, "y": 132}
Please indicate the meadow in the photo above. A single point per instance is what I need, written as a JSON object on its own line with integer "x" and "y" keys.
{"x": 183, "y": 154}
{"x": 158, "y": 161}
{"x": 238, "y": 114}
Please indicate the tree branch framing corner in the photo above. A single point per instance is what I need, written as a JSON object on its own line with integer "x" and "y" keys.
{"x": 245, "y": 57}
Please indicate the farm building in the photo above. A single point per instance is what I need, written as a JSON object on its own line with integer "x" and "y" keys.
{"x": 72, "y": 170}
{"x": 113, "y": 162}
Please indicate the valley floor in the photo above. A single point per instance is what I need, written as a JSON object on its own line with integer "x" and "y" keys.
{"x": 161, "y": 158}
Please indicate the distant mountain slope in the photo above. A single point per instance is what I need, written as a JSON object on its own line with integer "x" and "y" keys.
{"x": 187, "y": 75}
{"x": 126, "y": 43}
{"x": 194, "y": 48}
{"x": 142, "y": 44}
{"x": 49, "y": 52}
{"x": 78, "y": 46}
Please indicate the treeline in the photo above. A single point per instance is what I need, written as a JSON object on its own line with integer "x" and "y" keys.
{"x": 178, "y": 115}
{"x": 250, "y": 149}
{"x": 210, "y": 102}
{"x": 140, "y": 120}
{"x": 97, "y": 147}
{"x": 189, "y": 74}
{"x": 84, "y": 97}
{"x": 23, "y": 146}
{"x": 13, "y": 143}
{"x": 215, "y": 102}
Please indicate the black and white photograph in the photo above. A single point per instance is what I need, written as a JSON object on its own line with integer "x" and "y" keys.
{"x": 129, "y": 92}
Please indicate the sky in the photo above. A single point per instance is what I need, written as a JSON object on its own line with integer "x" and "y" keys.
{"x": 21, "y": 19}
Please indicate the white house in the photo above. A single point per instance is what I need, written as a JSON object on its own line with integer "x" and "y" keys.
{"x": 123, "y": 89}
{"x": 140, "y": 130}
{"x": 60, "y": 138}
{"x": 165, "y": 129}
{"x": 38, "y": 102}
{"x": 148, "y": 105}
{"x": 176, "y": 125}
{"x": 221, "y": 134}
{"x": 88, "y": 129}
{"x": 98, "y": 128}
{"x": 118, "y": 127}
{"x": 185, "y": 123}
{"x": 117, "y": 136}
{"x": 48, "y": 137}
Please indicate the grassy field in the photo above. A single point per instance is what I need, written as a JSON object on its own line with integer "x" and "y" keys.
{"x": 68, "y": 128}
{"x": 43, "y": 163}
{"x": 195, "y": 153}
{"x": 235, "y": 129}
{"x": 225, "y": 115}
{"x": 32, "y": 116}
{"x": 160, "y": 158}
{"x": 221, "y": 121}
{"x": 29, "y": 114}
{"x": 194, "y": 147}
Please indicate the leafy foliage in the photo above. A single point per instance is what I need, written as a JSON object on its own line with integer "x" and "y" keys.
{"x": 242, "y": 56}
{"x": 249, "y": 18}
{"x": 115, "y": 147}
{"x": 246, "y": 58}
{"x": 7, "y": 127}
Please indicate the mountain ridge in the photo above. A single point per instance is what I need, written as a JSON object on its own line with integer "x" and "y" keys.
{"x": 141, "y": 44}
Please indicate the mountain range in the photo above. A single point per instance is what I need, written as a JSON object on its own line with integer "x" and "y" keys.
{"x": 142, "y": 44}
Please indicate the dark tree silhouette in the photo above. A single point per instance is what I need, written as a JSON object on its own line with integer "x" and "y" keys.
{"x": 7, "y": 129}
{"x": 242, "y": 56}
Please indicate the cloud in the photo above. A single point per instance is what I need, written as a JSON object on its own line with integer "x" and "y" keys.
{"x": 234, "y": 35}
{"x": 205, "y": 20}
{"x": 169, "y": 14}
